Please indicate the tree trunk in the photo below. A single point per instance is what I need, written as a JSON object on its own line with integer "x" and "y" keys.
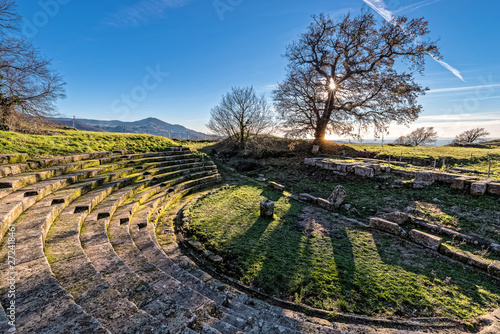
{"x": 5, "y": 115}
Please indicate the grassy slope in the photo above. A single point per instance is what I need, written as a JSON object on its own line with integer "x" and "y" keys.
{"x": 346, "y": 268}
{"x": 71, "y": 142}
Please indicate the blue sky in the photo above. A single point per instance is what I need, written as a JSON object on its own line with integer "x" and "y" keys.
{"x": 173, "y": 59}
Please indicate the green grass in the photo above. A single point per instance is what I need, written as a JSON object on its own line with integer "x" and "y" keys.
{"x": 337, "y": 267}
{"x": 73, "y": 142}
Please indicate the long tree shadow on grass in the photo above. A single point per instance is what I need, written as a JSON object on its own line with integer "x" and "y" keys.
{"x": 267, "y": 252}
{"x": 459, "y": 289}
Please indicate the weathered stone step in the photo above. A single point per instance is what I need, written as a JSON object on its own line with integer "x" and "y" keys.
{"x": 14, "y": 204}
{"x": 76, "y": 274}
{"x": 35, "y": 231}
{"x": 12, "y": 158}
{"x": 100, "y": 252}
{"x": 42, "y": 306}
{"x": 124, "y": 247}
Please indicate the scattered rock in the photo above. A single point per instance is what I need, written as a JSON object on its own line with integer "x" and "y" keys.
{"x": 277, "y": 186}
{"x": 364, "y": 171}
{"x": 423, "y": 179}
{"x": 197, "y": 245}
{"x": 397, "y": 217}
{"x": 347, "y": 207}
{"x": 308, "y": 198}
{"x": 435, "y": 200}
{"x": 425, "y": 239}
{"x": 478, "y": 188}
{"x": 267, "y": 209}
{"x": 337, "y": 197}
{"x": 387, "y": 226}
{"x": 315, "y": 149}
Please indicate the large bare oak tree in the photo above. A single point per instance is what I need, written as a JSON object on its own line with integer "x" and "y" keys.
{"x": 28, "y": 84}
{"x": 342, "y": 76}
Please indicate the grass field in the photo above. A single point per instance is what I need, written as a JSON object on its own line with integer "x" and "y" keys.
{"x": 309, "y": 256}
{"x": 71, "y": 142}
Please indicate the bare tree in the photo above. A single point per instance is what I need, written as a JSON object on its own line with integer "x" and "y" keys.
{"x": 471, "y": 136}
{"x": 240, "y": 115}
{"x": 28, "y": 84}
{"x": 342, "y": 76}
{"x": 420, "y": 136}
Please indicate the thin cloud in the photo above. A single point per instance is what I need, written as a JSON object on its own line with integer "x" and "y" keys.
{"x": 142, "y": 12}
{"x": 415, "y": 6}
{"x": 380, "y": 7}
{"x": 461, "y": 89}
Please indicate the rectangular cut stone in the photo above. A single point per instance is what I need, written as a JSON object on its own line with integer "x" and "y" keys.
{"x": 423, "y": 179}
{"x": 494, "y": 188}
{"x": 425, "y": 239}
{"x": 364, "y": 171}
{"x": 308, "y": 198}
{"x": 445, "y": 177}
{"x": 324, "y": 204}
{"x": 494, "y": 268}
{"x": 465, "y": 257}
{"x": 277, "y": 186}
{"x": 478, "y": 188}
{"x": 459, "y": 183}
{"x": 387, "y": 226}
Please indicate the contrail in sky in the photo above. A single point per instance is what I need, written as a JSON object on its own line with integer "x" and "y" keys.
{"x": 380, "y": 7}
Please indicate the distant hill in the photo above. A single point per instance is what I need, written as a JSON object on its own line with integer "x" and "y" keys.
{"x": 495, "y": 142}
{"x": 150, "y": 125}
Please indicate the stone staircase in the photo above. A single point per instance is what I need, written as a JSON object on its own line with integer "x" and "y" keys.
{"x": 81, "y": 229}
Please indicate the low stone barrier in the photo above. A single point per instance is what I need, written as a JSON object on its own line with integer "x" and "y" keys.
{"x": 465, "y": 257}
{"x": 387, "y": 226}
{"x": 424, "y": 239}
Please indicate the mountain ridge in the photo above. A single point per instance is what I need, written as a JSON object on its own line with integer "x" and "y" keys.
{"x": 150, "y": 125}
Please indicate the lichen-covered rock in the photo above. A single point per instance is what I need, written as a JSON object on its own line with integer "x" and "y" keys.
{"x": 337, "y": 197}
{"x": 425, "y": 239}
{"x": 387, "y": 226}
{"x": 478, "y": 188}
{"x": 315, "y": 149}
{"x": 267, "y": 209}
{"x": 364, "y": 171}
{"x": 308, "y": 198}
{"x": 494, "y": 188}
{"x": 323, "y": 203}
{"x": 277, "y": 186}
{"x": 423, "y": 179}
{"x": 494, "y": 268}
{"x": 397, "y": 217}
{"x": 464, "y": 257}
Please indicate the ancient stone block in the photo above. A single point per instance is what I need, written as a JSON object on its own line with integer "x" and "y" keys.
{"x": 323, "y": 203}
{"x": 337, "y": 197}
{"x": 387, "y": 226}
{"x": 425, "y": 239}
{"x": 494, "y": 188}
{"x": 364, "y": 171}
{"x": 315, "y": 149}
{"x": 478, "y": 188}
{"x": 277, "y": 186}
{"x": 445, "y": 177}
{"x": 423, "y": 179}
{"x": 464, "y": 257}
{"x": 267, "y": 209}
{"x": 494, "y": 268}
{"x": 460, "y": 183}
{"x": 396, "y": 217}
{"x": 308, "y": 198}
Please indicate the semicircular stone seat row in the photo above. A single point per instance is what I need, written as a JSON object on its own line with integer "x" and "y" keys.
{"x": 87, "y": 259}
